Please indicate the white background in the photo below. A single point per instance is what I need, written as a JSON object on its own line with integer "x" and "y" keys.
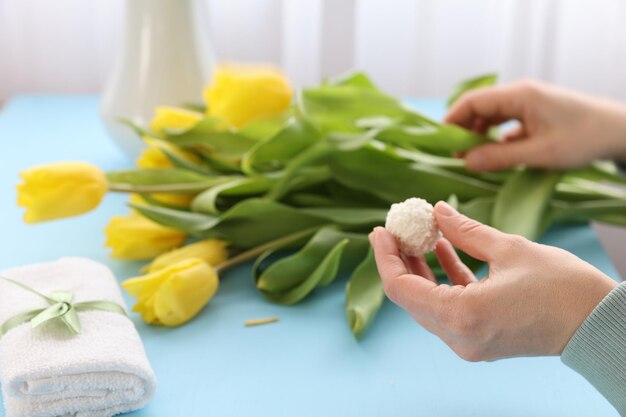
{"x": 410, "y": 47}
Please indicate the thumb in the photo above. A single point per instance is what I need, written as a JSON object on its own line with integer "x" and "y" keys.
{"x": 498, "y": 156}
{"x": 472, "y": 237}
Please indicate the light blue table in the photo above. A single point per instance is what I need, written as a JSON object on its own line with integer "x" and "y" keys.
{"x": 308, "y": 364}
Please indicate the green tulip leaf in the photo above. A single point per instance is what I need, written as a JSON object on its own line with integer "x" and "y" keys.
{"x": 610, "y": 211}
{"x": 182, "y": 163}
{"x": 364, "y": 295}
{"x": 577, "y": 188}
{"x": 336, "y": 108}
{"x": 290, "y": 279}
{"x": 523, "y": 201}
{"x": 479, "y": 209}
{"x": 198, "y": 107}
{"x": 617, "y": 219}
{"x": 392, "y": 180}
{"x": 219, "y": 164}
{"x": 161, "y": 180}
{"x": 350, "y": 216}
{"x": 139, "y": 131}
{"x": 445, "y": 138}
{"x": 194, "y": 224}
{"x": 291, "y": 175}
{"x": 354, "y": 79}
{"x": 349, "y": 197}
{"x": 422, "y": 157}
{"x": 273, "y": 154}
{"x": 206, "y": 202}
{"x": 255, "y": 221}
{"x": 471, "y": 84}
{"x": 210, "y": 137}
{"x": 598, "y": 171}
{"x": 263, "y": 129}
{"x": 149, "y": 199}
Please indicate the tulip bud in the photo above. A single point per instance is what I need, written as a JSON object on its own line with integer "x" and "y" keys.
{"x": 173, "y": 118}
{"x": 173, "y": 295}
{"x": 154, "y": 157}
{"x": 61, "y": 189}
{"x": 137, "y": 237}
{"x": 242, "y": 94}
{"x": 212, "y": 251}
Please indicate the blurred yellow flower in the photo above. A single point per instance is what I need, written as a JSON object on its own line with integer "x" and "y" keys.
{"x": 243, "y": 94}
{"x": 181, "y": 200}
{"x": 173, "y": 118}
{"x": 212, "y": 251}
{"x": 60, "y": 189}
{"x": 137, "y": 237}
{"x": 175, "y": 294}
{"x": 153, "y": 156}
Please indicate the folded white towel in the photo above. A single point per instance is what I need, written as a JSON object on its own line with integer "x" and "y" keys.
{"x": 48, "y": 372}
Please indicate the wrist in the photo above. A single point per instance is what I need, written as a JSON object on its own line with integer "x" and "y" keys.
{"x": 582, "y": 303}
{"x": 616, "y": 127}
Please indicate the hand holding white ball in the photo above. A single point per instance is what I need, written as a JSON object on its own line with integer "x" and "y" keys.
{"x": 413, "y": 224}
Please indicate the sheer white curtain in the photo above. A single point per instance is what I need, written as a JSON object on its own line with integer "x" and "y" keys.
{"x": 410, "y": 47}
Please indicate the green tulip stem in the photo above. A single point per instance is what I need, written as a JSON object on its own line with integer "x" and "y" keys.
{"x": 160, "y": 188}
{"x": 258, "y": 250}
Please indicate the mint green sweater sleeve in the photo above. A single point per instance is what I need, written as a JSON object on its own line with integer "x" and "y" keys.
{"x": 597, "y": 350}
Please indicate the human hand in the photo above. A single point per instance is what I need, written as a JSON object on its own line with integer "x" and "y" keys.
{"x": 558, "y": 128}
{"x": 531, "y": 303}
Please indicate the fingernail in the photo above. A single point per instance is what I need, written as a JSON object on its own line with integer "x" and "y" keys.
{"x": 445, "y": 209}
{"x": 372, "y": 237}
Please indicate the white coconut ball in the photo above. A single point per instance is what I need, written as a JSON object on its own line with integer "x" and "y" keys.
{"x": 413, "y": 224}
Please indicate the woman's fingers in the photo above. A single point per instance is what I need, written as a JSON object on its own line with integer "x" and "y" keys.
{"x": 496, "y": 104}
{"x": 535, "y": 152}
{"x": 411, "y": 292}
{"x": 387, "y": 255}
{"x": 418, "y": 266}
{"x": 456, "y": 270}
{"x": 476, "y": 239}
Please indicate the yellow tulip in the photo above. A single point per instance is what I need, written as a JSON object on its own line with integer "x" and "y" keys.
{"x": 173, "y": 295}
{"x": 212, "y": 251}
{"x": 243, "y": 94}
{"x": 137, "y": 237}
{"x": 173, "y": 199}
{"x": 134, "y": 198}
{"x": 173, "y": 118}
{"x": 182, "y": 200}
{"x": 153, "y": 156}
{"x": 61, "y": 189}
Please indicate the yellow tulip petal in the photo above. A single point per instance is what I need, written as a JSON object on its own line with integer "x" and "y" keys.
{"x": 182, "y": 200}
{"x": 185, "y": 293}
{"x": 145, "y": 307}
{"x": 212, "y": 251}
{"x": 154, "y": 157}
{"x": 136, "y": 237}
{"x": 61, "y": 189}
{"x": 173, "y": 118}
{"x": 147, "y": 284}
{"x": 243, "y": 94}
{"x": 134, "y": 198}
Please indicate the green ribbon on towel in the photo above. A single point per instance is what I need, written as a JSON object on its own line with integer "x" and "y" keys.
{"x": 61, "y": 309}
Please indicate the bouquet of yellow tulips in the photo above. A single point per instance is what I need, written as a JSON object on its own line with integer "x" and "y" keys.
{"x": 296, "y": 185}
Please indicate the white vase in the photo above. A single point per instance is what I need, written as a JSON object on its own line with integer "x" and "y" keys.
{"x": 164, "y": 59}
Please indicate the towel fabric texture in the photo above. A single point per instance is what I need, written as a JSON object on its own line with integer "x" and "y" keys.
{"x": 47, "y": 371}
